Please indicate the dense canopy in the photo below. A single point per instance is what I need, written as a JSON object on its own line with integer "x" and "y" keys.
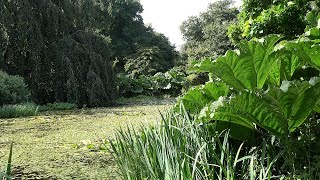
{"x": 65, "y": 49}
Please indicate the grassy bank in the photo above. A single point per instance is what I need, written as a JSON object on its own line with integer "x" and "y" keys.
{"x": 18, "y": 110}
{"x": 63, "y": 144}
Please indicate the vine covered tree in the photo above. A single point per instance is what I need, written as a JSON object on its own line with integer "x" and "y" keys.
{"x": 261, "y": 18}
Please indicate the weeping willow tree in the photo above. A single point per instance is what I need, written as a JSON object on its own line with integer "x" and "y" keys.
{"x": 58, "y": 47}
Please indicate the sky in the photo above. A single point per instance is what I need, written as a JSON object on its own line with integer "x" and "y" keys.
{"x": 165, "y": 16}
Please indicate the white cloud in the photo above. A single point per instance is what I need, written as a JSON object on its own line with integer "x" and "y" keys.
{"x": 166, "y": 16}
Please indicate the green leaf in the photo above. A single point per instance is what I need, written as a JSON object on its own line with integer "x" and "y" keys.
{"x": 250, "y": 110}
{"x": 249, "y": 70}
{"x": 289, "y": 64}
{"x": 237, "y": 131}
{"x": 307, "y": 51}
{"x": 286, "y": 97}
{"x": 194, "y": 100}
{"x": 222, "y": 68}
{"x": 204, "y": 66}
{"x": 278, "y": 111}
{"x": 314, "y": 54}
{"x": 296, "y": 101}
{"x": 283, "y": 69}
{"x": 313, "y": 33}
{"x": 198, "y": 97}
{"x": 304, "y": 105}
{"x": 261, "y": 56}
{"x": 317, "y": 108}
{"x": 275, "y": 74}
{"x": 313, "y": 19}
{"x": 214, "y": 90}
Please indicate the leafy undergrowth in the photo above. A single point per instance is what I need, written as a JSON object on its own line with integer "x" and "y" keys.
{"x": 60, "y": 145}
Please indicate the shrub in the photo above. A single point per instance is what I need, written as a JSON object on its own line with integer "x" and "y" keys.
{"x": 170, "y": 82}
{"x": 20, "y": 110}
{"x": 13, "y": 89}
{"x": 58, "y": 107}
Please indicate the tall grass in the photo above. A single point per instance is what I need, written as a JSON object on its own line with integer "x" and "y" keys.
{"x": 20, "y": 110}
{"x": 6, "y": 173}
{"x": 180, "y": 149}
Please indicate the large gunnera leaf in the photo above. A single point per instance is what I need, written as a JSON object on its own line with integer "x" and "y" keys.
{"x": 284, "y": 68}
{"x": 278, "y": 111}
{"x": 247, "y": 70}
{"x": 306, "y": 51}
{"x": 198, "y": 97}
{"x": 313, "y": 29}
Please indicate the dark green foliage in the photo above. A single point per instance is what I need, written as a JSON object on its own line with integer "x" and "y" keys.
{"x": 18, "y": 110}
{"x": 206, "y": 34}
{"x": 131, "y": 39}
{"x": 154, "y": 53}
{"x": 144, "y": 62}
{"x": 57, "y": 107}
{"x": 95, "y": 90}
{"x": 83, "y": 70}
{"x": 64, "y": 49}
{"x": 13, "y": 89}
{"x": 56, "y": 47}
{"x": 166, "y": 51}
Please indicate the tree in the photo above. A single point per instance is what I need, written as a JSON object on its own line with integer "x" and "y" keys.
{"x": 54, "y": 44}
{"x": 206, "y": 34}
{"x": 155, "y": 54}
{"x": 130, "y": 36}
